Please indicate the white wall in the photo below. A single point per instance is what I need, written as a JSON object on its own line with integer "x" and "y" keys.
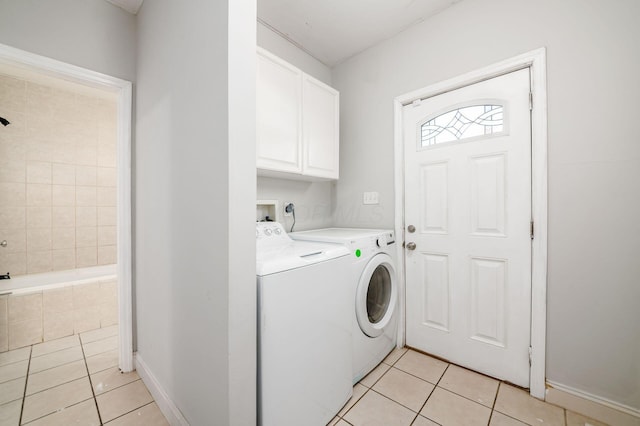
{"x": 312, "y": 200}
{"x": 594, "y": 159}
{"x": 195, "y": 194}
{"x": 89, "y": 33}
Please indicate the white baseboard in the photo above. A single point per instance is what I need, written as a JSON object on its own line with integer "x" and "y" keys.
{"x": 166, "y": 405}
{"x": 590, "y": 405}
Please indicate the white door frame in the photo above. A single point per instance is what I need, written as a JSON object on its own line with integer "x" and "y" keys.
{"x": 123, "y": 89}
{"x": 536, "y": 62}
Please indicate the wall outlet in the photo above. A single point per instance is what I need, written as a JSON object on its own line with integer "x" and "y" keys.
{"x": 284, "y": 209}
{"x": 371, "y": 198}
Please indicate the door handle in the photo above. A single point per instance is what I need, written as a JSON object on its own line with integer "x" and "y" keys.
{"x": 3, "y": 243}
{"x": 411, "y": 246}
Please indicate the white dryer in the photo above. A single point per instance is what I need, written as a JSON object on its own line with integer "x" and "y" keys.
{"x": 374, "y": 291}
{"x": 304, "y": 329}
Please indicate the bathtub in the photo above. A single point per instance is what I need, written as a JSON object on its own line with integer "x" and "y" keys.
{"x": 41, "y": 307}
{"x": 52, "y": 280}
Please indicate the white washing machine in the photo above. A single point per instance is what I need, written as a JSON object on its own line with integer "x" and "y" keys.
{"x": 374, "y": 291}
{"x": 304, "y": 329}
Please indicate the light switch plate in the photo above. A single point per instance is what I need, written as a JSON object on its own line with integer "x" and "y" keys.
{"x": 371, "y": 198}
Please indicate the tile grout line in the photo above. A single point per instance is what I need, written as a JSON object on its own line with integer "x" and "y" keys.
{"x": 26, "y": 383}
{"x": 95, "y": 400}
{"x": 495, "y": 399}
{"x": 54, "y": 412}
{"x": 431, "y": 393}
{"x": 142, "y": 406}
{"x": 370, "y": 388}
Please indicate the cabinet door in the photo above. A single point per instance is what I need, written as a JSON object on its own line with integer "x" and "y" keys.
{"x": 320, "y": 147}
{"x": 278, "y": 109}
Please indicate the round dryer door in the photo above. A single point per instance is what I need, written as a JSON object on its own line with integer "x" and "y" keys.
{"x": 376, "y": 295}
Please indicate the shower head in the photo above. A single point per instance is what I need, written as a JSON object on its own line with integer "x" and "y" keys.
{"x": 4, "y": 121}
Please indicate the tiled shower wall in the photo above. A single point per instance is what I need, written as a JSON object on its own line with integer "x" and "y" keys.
{"x": 57, "y": 176}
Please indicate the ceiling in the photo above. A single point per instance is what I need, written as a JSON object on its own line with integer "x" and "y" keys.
{"x": 334, "y": 30}
{"x": 131, "y": 6}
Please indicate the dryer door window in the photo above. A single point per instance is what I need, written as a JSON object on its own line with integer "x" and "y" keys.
{"x": 376, "y": 295}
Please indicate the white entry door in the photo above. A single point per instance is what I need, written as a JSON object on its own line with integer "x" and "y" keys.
{"x": 468, "y": 230}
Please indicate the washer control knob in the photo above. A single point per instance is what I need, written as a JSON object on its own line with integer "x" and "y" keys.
{"x": 267, "y": 232}
{"x": 277, "y": 231}
{"x": 381, "y": 242}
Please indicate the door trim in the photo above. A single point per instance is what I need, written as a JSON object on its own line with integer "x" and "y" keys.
{"x": 123, "y": 89}
{"x": 535, "y": 60}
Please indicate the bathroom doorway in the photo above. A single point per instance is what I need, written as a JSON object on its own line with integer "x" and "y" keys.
{"x": 65, "y": 211}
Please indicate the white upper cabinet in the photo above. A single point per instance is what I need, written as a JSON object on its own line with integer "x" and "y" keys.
{"x": 297, "y": 122}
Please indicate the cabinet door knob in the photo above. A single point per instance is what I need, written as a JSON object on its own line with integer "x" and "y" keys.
{"x": 411, "y": 246}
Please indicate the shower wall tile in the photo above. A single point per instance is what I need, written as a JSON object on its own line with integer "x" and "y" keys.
{"x": 106, "y": 155}
{"x": 64, "y": 152}
{"x": 13, "y": 216}
{"x": 56, "y": 140}
{"x": 107, "y": 255}
{"x": 63, "y": 217}
{"x": 39, "y": 261}
{"x": 16, "y": 240}
{"x": 107, "y": 216}
{"x": 39, "y": 172}
{"x": 63, "y": 259}
{"x": 13, "y": 94}
{"x": 38, "y": 239}
{"x": 12, "y": 171}
{"x": 106, "y": 196}
{"x": 86, "y": 175}
{"x": 63, "y": 238}
{"x": 13, "y": 148}
{"x": 64, "y": 174}
{"x": 38, "y": 194}
{"x": 86, "y": 236}
{"x": 39, "y": 217}
{"x": 17, "y": 127}
{"x": 13, "y": 194}
{"x": 63, "y": 195}
{"x": 86, "y": 216}
{"x": 87, "y": 153}
{"x": 86, "y": 256}
{"x": 86, "y": 195}
{"x": 107, "y": 176}
{"x": 39, "y": 149}
{"x": 16, "y": 263}
{"x": 106, "y": 235}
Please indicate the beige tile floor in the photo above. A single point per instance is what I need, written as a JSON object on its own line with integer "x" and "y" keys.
{"x": 410, "y": 388}
{"x": 73, "y": 380}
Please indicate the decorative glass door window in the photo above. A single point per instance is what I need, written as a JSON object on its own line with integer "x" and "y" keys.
{"x": 464, "y": 122}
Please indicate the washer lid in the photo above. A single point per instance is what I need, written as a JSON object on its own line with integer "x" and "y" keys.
{"x": 296, "y": 254}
